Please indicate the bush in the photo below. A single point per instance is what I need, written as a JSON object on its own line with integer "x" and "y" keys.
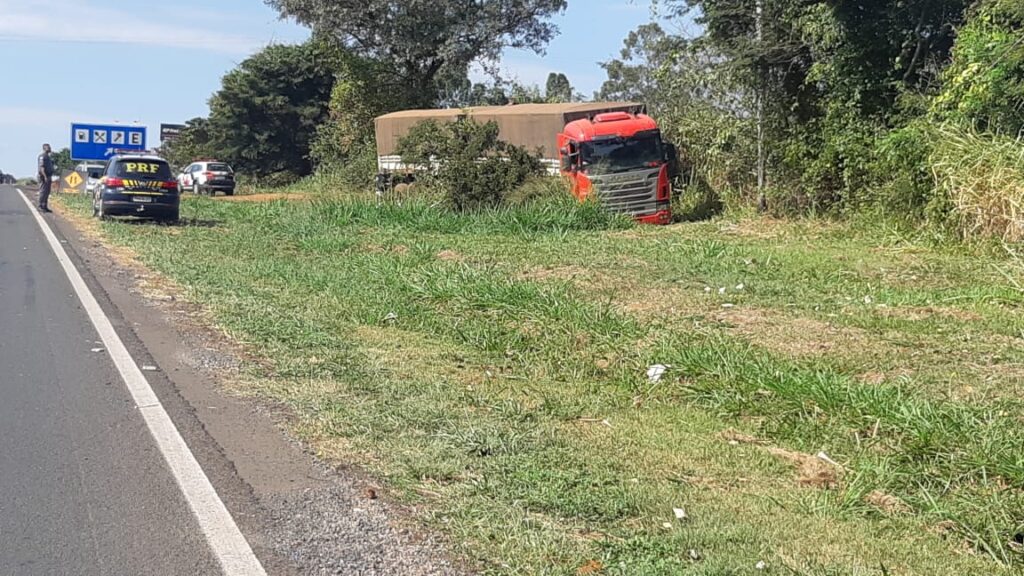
{"x": 899, "y": 181}
{"x": 983, "y": 178}
{"x": 277, "y": 180}
{"x": 467, "y": 162}
{"x": 356, "y": 172}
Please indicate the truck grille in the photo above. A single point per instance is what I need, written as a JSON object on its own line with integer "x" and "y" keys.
{"x": 633, "y": 193}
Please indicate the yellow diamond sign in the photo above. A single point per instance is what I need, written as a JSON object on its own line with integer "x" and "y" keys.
{"x": 74, "y": 180}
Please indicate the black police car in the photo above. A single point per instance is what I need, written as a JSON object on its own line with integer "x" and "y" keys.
{"x": 139, "y": 185}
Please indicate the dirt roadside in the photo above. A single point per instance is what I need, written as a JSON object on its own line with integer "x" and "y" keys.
{"x": 300, "y": 515}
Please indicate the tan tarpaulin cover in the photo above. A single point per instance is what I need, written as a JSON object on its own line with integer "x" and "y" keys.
{"x": 533, "y": 126}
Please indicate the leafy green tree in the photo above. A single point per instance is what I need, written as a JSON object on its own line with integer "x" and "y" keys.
{"x": 984, "y": 86}
{"x": 558, "y": 88}
{"x": 191, "y": 144}
{"x": 647, "y": 53}
{"x": 268, "y": 110}
{"x": 419, "y": 41}
{"x": 62, "y": 160}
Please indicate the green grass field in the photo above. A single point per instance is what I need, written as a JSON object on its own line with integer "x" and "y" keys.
{"x": 492, "y": 369}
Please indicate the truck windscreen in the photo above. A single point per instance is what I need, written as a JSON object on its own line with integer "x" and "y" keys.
{"x": 622, "y": 154}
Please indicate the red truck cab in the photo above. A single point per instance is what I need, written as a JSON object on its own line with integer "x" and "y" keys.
{"x": 622, "y": 159}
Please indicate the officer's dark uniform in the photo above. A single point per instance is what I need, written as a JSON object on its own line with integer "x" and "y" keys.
{"x": 45, "y": 180}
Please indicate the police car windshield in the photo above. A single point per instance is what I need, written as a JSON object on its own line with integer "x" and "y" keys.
{"x": 144, "y": 168}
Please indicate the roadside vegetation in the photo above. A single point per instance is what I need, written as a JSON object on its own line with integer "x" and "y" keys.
{"x": 838, "y": 399}
{"x": 904, "y": 114}
{"x": 829, "y": 385}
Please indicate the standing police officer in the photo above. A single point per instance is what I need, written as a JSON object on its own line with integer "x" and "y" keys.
{"x": 45, "y": 178}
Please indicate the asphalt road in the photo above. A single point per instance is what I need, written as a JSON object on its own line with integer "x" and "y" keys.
{"x": 83, "y": 488}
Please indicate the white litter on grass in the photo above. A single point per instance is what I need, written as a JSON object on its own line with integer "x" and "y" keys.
{"x": 761, "y": 565}
{"x": 867, "y": 300}
{"x": 740, "y": 287}
{"x": 825, "y": 458}
{"x": 667, "y": 525}
{"x": 680, "y": 513}
{"x": 727, "y": 305}
{"x": 721, "y": 290}
{"x": 707, "y": 289}
{"x": 694, "y": 555}
{"x": 391, "y": 317}
{"x": 655, "y": 372}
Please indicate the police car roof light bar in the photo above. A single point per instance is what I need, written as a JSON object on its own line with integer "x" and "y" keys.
{"x": 118, "y": 151}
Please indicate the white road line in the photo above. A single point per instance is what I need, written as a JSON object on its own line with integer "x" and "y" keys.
{"x": 226, "y": 541}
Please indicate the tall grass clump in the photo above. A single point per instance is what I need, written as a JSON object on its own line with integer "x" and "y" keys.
{"x": 983, "y": 176}
{"x": 544, "y": 215}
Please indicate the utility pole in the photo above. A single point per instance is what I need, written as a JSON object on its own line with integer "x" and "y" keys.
{"x": 762, "y": 200}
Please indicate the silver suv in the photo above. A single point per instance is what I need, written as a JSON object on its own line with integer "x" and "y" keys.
{"x": 207, "y": 177}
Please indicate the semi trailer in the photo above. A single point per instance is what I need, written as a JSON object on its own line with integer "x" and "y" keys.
{"x": 609, "y": 150}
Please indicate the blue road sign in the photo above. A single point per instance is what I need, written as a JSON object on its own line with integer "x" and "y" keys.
{"x": 100, "y": 142}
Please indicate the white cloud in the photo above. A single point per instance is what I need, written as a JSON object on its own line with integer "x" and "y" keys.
{"x": 80, "y": 21}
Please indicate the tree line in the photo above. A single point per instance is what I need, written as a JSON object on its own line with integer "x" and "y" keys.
{"x": 855, "y": 103}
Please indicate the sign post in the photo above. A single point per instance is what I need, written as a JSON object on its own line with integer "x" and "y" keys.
{"x": 72, "y": 182}
{"x": 170, "y": 132}
{"x": 100, "y": 142}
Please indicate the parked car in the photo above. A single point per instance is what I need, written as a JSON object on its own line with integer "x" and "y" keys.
{"x": 139, "y": 185}
{"x": 92, "y": 172}
{"x": 207, "y": 177}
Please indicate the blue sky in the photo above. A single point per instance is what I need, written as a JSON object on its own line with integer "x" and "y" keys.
{"x": 116, "y": 61}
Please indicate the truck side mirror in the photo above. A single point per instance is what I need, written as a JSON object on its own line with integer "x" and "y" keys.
{"x": 672, "y": 159}
{"x": 670, "y": 152}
